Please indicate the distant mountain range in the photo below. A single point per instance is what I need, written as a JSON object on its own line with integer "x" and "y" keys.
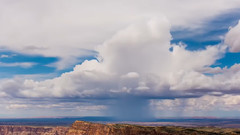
{"x": 67, "y": 121}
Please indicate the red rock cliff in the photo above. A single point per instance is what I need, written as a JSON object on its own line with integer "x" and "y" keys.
{"x": 87, "y": 128}
{"x": 30, "y": 130}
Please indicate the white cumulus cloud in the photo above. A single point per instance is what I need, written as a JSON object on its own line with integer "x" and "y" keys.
{"x": 136, "y": 61}
{"x": 233, "y": 38}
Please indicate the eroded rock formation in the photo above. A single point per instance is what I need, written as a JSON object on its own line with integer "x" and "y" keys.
{"x": 88, "y": 128}
{"x": 30, "y": 130}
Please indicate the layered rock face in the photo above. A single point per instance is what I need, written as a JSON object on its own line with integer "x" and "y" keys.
{"x": 87, "y": 128}
{"x": 29, "y": 130}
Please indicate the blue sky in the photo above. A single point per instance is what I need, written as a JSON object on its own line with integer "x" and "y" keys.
{"x": 89, "y": 58}
{"x": 41, "y": 64}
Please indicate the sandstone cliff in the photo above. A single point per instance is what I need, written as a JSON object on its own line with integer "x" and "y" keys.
{"x": 87, "y": 128}
{"x": 29, "y": 130}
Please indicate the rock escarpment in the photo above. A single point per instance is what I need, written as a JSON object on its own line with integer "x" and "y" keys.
{"x": 87, "y": 128}
{"x": 30, "y": 130}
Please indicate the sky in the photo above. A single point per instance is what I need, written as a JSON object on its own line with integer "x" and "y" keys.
{"x": 133, "y": 60}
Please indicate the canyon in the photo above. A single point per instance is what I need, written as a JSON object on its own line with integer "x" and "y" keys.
{"x": 89, "y": 128}
{"x": 32, "y": 130}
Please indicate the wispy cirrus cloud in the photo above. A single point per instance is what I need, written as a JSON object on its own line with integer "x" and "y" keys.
{"x": 4, "y": 56}
{"x": 18, "y": 64}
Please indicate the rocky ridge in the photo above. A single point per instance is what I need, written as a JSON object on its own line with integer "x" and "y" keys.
{"x": 89, "y": 128}
{"x": 30, "y": 130}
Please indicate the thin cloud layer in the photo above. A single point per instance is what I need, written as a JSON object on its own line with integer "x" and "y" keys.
{"x": 23, "y": 64}
{"x": 216, "y": 106}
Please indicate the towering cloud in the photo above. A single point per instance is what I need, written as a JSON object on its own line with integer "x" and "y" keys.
{"x": 135, "y": 59}
{"x": 136, "y": 63}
